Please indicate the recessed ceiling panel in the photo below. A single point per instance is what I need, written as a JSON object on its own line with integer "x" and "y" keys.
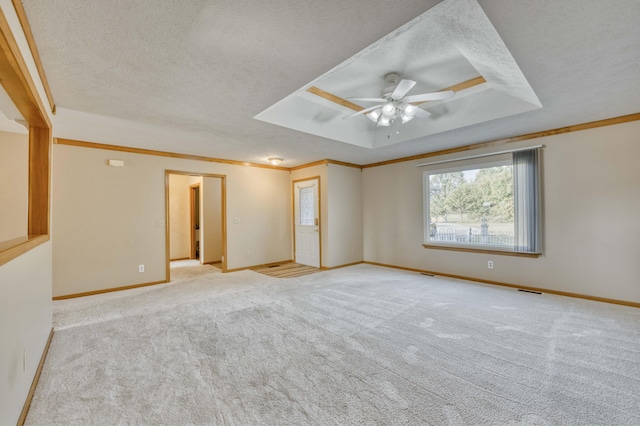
{"x": 451, "y": 43}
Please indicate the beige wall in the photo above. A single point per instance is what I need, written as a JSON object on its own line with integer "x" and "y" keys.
{"x": 179, "y": 216}
{"x": 591, "y": 214}
{"x": 105, "y": 219}
{"x": 25, "y": 291}
{"x": 344, "y": 215}
{"x": 14, "y": 185}
{"x": 211, "y": 214}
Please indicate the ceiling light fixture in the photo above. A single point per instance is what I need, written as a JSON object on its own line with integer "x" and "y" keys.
{"x": 394, "y": 102}
{"x": 275, "y": 160}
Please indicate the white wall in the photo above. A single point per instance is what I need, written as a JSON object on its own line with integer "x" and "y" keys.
{"x": 14, "y": 185}
{"x": 105, "y": 218}
{"x": 25, "y": 290}
{"x": 344, "y": 192}
{"x": 25, "y": 323}
{"x": 591, "y": 215}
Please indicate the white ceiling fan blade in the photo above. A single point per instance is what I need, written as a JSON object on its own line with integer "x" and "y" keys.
{"x": 420, "y": 113}
{"x": 367, "y": 99}
{"x": 364, "y": 111}
{"x": 402, "y": 89}
{"x": 435, "y": 96}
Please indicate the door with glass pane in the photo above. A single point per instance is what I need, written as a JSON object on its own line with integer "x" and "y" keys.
{"x": 307, "y": 222}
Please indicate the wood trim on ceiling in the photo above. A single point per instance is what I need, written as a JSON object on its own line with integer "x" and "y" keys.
{"x": 537, "y": 289}
{"x": 17, "y": 81}
{"x": 333, "y": 98}
{"x": 34, "y": 383}
{"x": 26, "y": 28}
{"x": 498, "y": 142}
{"x": 326, "y": 162}
{"x": 357, "y": 108}
{"x": 70, "y": 142}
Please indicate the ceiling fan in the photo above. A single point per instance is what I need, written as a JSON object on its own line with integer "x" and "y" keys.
{"x": 394, "y": 104}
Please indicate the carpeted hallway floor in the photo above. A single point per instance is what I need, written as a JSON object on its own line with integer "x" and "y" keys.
{"x": 358, "y": 345}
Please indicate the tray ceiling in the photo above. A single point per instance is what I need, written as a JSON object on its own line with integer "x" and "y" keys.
{"x": 451, "y": 43}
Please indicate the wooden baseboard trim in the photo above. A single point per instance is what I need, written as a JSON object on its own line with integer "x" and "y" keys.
{"x": 179, "y": 258}
{"x": 34, "y": 383}
{"x": 213, "y": 262}
{"x": 107, "y": 290}
{"x": 329, "y": 268}
{"x": 265, "y": 265}
{"x": 541, "y": 290}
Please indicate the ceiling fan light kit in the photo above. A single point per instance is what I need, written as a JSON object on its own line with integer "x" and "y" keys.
{"x": 395, "y": 104}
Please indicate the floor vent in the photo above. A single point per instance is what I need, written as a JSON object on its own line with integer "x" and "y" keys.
{"x": 529, "y": 291}
{"x": 429, "y": 275}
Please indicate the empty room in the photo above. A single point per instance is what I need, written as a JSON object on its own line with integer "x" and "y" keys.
{"x": 320, "y": 212}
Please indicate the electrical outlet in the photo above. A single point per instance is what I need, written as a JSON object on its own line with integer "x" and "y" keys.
{"x": 140, "y": 268}
{"x": 490, "y": 264}
{"x": 236, "y": 220}
{"x": 249, "y": 253}
{"x": 159, "y": 223}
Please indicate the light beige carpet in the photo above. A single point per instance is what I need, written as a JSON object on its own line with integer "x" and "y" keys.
{"x": 359, "y": 345}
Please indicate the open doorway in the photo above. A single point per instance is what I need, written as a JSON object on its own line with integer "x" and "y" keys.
{"x": 195, "y": 219}
{"x": 194, "y": 222}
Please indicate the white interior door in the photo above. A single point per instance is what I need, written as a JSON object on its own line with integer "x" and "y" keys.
{"x": 307, "y": 222}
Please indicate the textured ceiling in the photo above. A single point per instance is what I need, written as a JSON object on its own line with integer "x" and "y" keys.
{"x": 194, "y": 73}
{"x": 451, "y": 43}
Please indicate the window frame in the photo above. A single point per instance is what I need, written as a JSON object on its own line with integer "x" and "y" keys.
{"x": 484, "y": 161}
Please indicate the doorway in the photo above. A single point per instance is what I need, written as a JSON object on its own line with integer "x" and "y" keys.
{"x": 194, "y": 222}
{"x": 195, "y": 217}
{"x": 306, "y": 221}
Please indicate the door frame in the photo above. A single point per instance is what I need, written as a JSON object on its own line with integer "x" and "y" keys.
{"x": 223, "y": 184}
{"x": 192, "y": 219}
{"x": 293, "y": 214}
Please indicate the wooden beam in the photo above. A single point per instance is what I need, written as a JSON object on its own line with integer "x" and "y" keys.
{"x": 333, "y": 98}
{"x": 39, "y": 160}
{"x": 26, "y": 28}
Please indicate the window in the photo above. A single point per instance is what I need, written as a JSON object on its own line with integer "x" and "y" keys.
{"x": 307, "y": 208}
{"x": 484, "y": 203}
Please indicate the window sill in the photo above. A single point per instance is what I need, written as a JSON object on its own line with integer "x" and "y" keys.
{"x": 11, "y": 249}
{"x": 481, "y": 250}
